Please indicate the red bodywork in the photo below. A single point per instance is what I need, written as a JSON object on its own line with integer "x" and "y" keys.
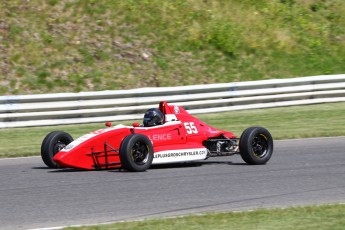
{"x": 179, "y": 139}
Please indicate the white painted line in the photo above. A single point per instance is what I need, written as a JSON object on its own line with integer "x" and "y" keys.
{"x": 52, "y": 228}
{"x": 309, "y": 138}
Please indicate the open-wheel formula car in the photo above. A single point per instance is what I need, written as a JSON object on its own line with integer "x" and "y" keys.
{"x": 169, "y": 134}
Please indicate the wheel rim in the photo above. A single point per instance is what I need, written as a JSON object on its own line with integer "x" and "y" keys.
{"x": 140, "y": 153}
{"x": 260, "y": 146}
{"x": 59, "y": 146}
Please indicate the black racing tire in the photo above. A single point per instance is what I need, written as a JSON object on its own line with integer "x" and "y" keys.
{"x": 52, "y": 144}
{"x": 256, "y": 145}
{"x": 136, "y": 153}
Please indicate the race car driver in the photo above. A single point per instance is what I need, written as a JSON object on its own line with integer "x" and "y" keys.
{"x": 153, "y": 117}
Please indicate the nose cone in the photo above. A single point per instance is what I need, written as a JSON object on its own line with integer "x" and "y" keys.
{"x": 72, "y": 159}
{"x": 61, "y": 159}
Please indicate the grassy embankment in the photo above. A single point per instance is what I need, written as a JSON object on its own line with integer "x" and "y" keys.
{"x": 70, "y": 46}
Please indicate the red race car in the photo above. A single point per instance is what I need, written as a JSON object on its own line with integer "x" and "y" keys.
{"x": 169, "y": 134}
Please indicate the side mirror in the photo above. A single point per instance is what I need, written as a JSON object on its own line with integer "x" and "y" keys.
{"x": 108, "y": 123}
{"x": 136, "y": 124}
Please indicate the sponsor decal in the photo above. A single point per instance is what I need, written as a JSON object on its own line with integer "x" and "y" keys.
{"x": 160, "y": 137}
{"x": 78, "y": 141}
{"x": 68, "y": 147}
{"x": 183, "y": 155}
{"x": 176, "y": 109}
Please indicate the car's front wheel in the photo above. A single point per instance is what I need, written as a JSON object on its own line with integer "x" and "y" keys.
{"x": 52, "y": 144}
{"x": 136, "y": 153}
{"x": 256, "y": 145}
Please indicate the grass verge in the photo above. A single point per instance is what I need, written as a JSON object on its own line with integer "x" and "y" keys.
{"x": 323, "y": 217}
{"x": 321, "y": 120}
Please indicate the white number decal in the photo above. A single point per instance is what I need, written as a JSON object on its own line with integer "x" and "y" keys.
{"x": 190, "y": 127}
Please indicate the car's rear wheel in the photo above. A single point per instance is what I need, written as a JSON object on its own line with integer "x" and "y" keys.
{"x": 52, "y": 144}
{"x": 136, "y": 153}
{"x": 256, "y": 145}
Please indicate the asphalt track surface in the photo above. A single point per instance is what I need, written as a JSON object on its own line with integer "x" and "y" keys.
{"x": 301, "y": 172}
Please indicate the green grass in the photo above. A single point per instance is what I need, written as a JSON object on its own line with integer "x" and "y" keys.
{"x": 321, "y": 120}
{"x": 70, "y": 46}
{"x": 325, "y": 217}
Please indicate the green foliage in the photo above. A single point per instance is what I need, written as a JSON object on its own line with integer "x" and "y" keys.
{"x": 225, "y": 37}
{"x": 166, "y": 43}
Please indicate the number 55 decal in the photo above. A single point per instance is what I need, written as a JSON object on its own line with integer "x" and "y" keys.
{"x": 190, "y": 127}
